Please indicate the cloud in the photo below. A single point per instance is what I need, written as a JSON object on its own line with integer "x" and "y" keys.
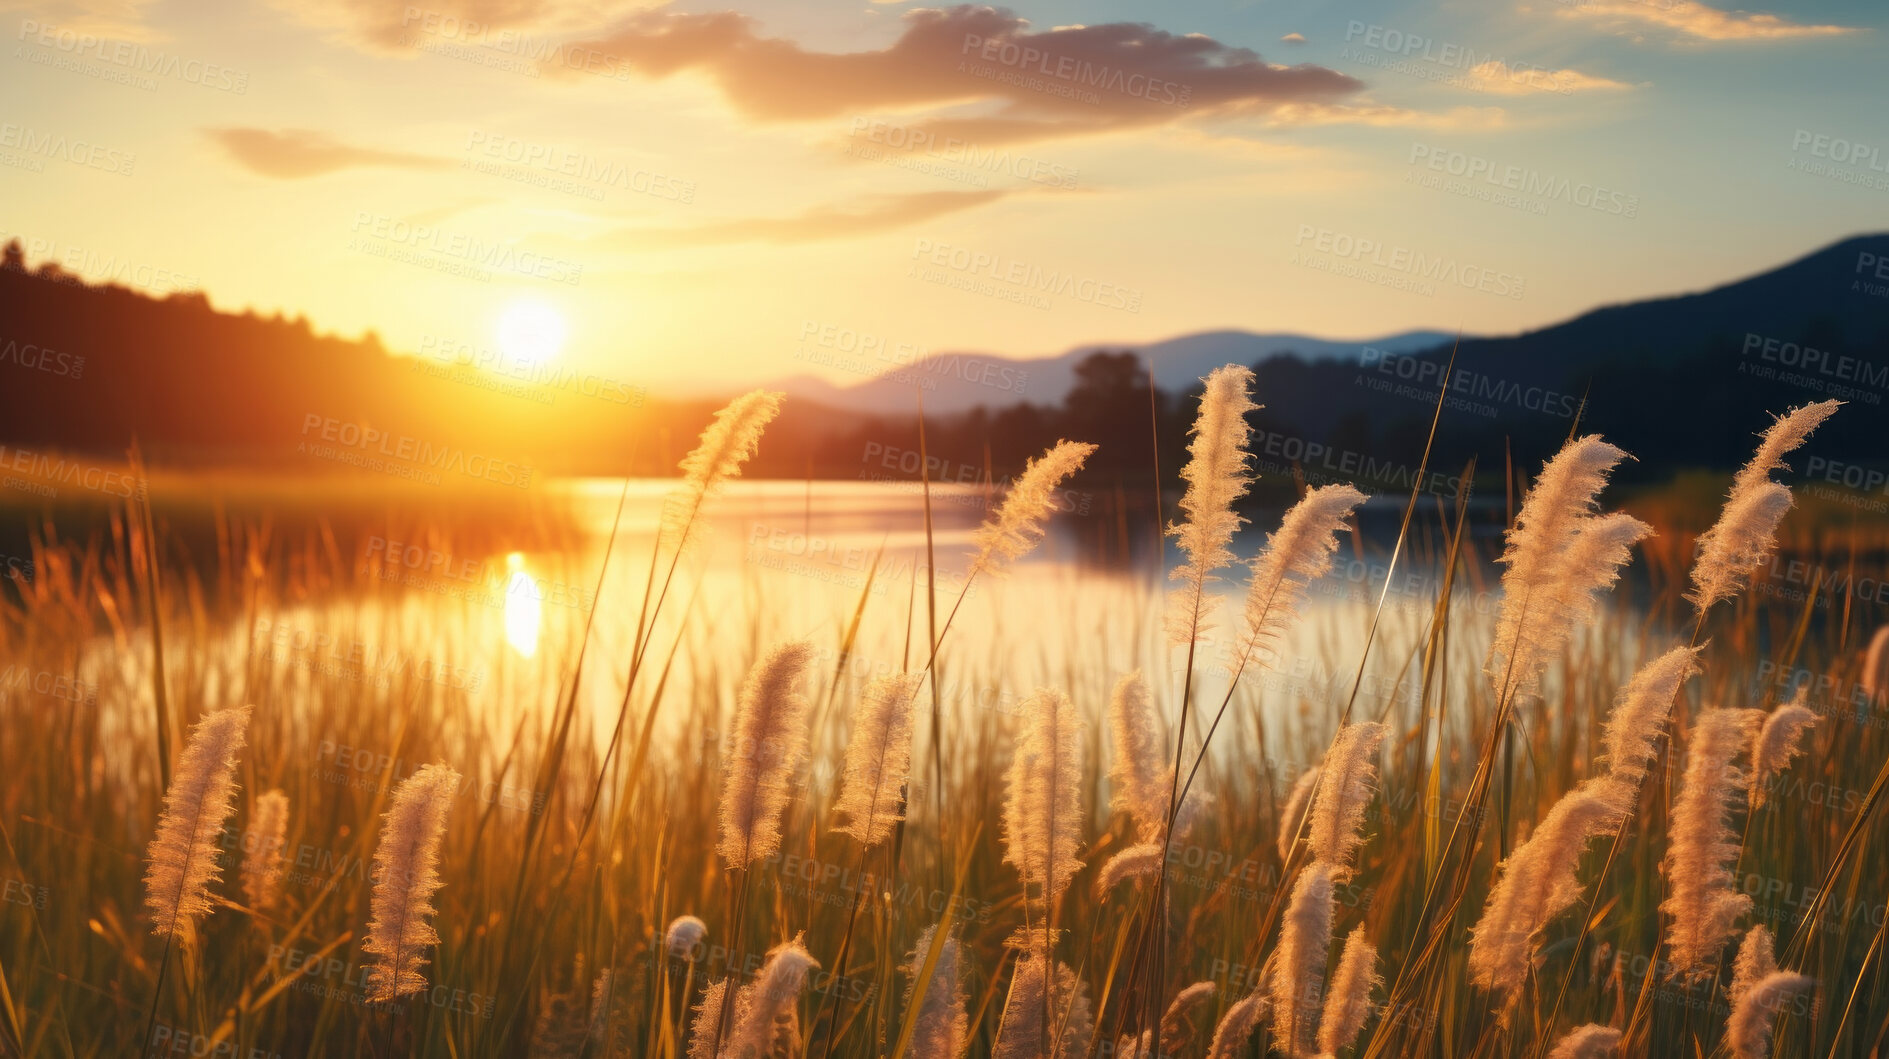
{"x": 292, "y": 154}
{"x": 1379, "y": 115}
{"x": 1692, "y": 19}
{"x": 1502, "y": 79}
{"x": 1292, "y": 38}
{"x": 1018, "y": 83}
{"x": 868, "y": 215}
{"x": 105, "y": 19}
{"x": 503, "y": 26}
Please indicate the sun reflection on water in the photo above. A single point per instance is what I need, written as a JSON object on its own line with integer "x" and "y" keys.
{"x": 524, "y": 607}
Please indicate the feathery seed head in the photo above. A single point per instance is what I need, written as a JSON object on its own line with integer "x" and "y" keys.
{"x": 767, "y": 1009}
{"x": 942, "y": 1024}
{"x": 726, "y": 444}
{"x": 1776, "y": 744}
{"x": 770, "y": 745}
{"x": 1177, "y": 1026}
{"x": 706, "y": 1026}
{"x": 1336, "y": 828}
{"x": 1876, "y": 667}
{"x": 1640, "y": 712}
{"x": 1217, "y": 475}
{"x": 1559, "y": 554}
{"x": 1142, "y": 782}
{"x": 1024, "y": 1033}
{"x": 1135, "y": 862}
{"x": 1702, "y": 900}
{"x": 683, "y": 935}
{"x": 262, "y": 850}
{"x": 1294, "y": 557}
{"x": 1298, "y": 971}
{"x": 1539, "y": 882}
{"x": 182, "y": 855}
{"x": 1592, "y": 1041}
{"x": 1297, "y": 802}
{"x": 1754, "y": 1014}
{"x": 1757, "y": 960}
{"x": 406, "y": 876}
{"x": 1237, "y": 1025}
{"x": 878, "y": 759}
{"x": 1017, "y": 525}
{"x": 1349, "y": 1001}
{"x": 1043, "y": 810}
{"x": 1746, "y": 531}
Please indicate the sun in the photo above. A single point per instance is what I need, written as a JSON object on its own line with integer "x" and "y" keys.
{"x": 530, "y": 331}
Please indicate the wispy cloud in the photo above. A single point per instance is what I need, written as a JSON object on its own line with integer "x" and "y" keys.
{"x": 512, "y": 25}
{"x": 860, "y": 217}
{"x": 1020, "y": 83}
{"x": 1383, "y": 115}
{"x": 1502, "y": 79}
{"x": 293, "y": 154}
{"x": 1694, "y": 20}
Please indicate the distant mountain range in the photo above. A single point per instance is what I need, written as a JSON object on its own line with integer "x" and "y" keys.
{"x": 958, "y": 382}
{"x": 1834, "y": 300}
{"x": 1680, "y": 381}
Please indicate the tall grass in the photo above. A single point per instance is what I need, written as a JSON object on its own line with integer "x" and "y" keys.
{"x": 597, "y": 897}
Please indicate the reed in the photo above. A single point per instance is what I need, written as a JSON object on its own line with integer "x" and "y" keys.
{"x": 539, "y": 880}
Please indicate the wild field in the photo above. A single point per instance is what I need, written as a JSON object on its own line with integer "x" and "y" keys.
{"x": 1605, "y": 784}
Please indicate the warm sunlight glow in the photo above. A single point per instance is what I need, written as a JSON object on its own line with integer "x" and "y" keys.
{"x": 524, "y": 607}
{"x": 530, "y": 331}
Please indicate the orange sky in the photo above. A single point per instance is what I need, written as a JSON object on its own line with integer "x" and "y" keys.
{"x": 683, "y": 191}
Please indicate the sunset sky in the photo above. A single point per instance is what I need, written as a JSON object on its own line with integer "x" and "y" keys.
{"x": 686, "y": 190}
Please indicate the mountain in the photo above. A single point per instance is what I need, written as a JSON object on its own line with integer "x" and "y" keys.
{"x": 1681, "y": 381}
{"x": 1690, "y": 377}
{"x": 958, "y": 382}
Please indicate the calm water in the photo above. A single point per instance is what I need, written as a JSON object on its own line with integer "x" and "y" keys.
{"x": 498, "y": 634}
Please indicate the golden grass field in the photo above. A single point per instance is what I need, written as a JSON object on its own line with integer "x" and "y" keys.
{"x": 592, "y": 766}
